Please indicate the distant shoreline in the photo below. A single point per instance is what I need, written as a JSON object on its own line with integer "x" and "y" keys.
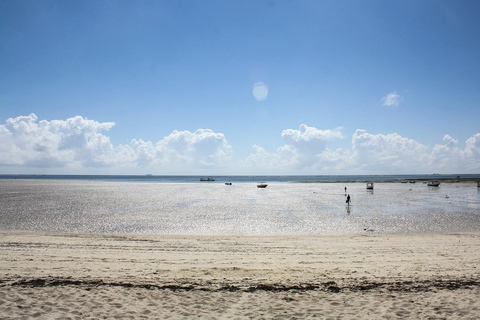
{"x": 402, "y": 178}
{"x": 406, "y": 181}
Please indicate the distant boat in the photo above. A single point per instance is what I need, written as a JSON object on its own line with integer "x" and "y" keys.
{"x": 433, "y": 183}
{"x": 369, "y": 185}
{"x": 207, "y": 179}
{"x": 228, "y": 183}
{"x": 262, "y": 185}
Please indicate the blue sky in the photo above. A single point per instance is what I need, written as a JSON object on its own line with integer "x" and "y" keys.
{"x": 166, "y": 87}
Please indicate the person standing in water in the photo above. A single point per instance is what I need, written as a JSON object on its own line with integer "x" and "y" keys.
{"x": 348, "y": 200}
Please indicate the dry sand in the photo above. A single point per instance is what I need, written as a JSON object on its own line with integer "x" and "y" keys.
{"x": 49, "y": 276}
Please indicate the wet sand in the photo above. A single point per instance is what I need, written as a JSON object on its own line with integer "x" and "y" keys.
{"x": 50, "y": 276}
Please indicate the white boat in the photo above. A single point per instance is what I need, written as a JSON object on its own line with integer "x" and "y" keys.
{"x": 262, "y": 185}
{"x": 207, "y": 179}
{"x": 369, "y": 185}
{"x": 433, "y": 183}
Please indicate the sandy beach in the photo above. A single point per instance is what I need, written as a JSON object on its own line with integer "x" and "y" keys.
{"x": 49, "y": 276}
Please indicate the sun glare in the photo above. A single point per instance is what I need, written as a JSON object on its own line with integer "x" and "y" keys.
{"x": 260, "y": 91}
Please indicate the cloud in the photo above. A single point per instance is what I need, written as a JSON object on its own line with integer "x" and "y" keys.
{"x": 303, "y": 149}
{"x": 306, "y": 151}
{"x": 202, "y": 147}
{"x": 391, "y": 99}
{"x": 180, "y": 150}
{"x": 387, "y": 153}
{"x": 308, "y": 134}
{"x": 450, "y": 157}
{"x": 271, "y": 162}
{"x": 78, "y": 143}
{"x": 81, "y": 143}
{"x": 471, "y": 154}
{"x": 54, "y": 143}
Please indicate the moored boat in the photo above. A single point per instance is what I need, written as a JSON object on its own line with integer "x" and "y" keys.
{"x": 207, "y": 179}
{"x": 369, "y": 185}
{"x": 262, "y": 185}
{"x": 433, "y": 183}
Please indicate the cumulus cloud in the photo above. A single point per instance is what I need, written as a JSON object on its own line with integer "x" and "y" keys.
{"x": 56, "y": 143}
{"x": 81, "y": 143}
{"x": 471, "y": 154}
{"x": 391, "y": 99}
{"x": 392, "y": 151}
{"x": 303, "y": 149}
{"x": 307, "y": 150}
{"x": 202, "y": 147}
{"x": 271, "y": 162}
{"x": 450, "y": 157}
{"x": 308, "y": 134}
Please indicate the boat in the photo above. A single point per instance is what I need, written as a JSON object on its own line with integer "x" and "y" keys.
{"x": 433, "y": 183}
{"x": 369, "y": 185}
{"x": 262, "y": 185}
{"x": 207, "y": 179}
{"x": 228, "y": 183}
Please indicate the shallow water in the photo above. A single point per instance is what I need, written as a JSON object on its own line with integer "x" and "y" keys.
{"x": 240, "y": 209}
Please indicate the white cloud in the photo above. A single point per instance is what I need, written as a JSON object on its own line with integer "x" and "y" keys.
{"x": 181, "y": 150}
{"x": 449, "y": 157}
{"x": 54, "y": 143}
{"x": 79, "y": 143}
{"x": 391, "y": 99}
{"x": 471, "y": 154}
{"x": 307, "y": 134}
{"x": 200, "y": 148}
{"x": 306, "y": 152}
{"x": 264, "y": 162}
{"x": 387, "y": 153}
{"x": 302, "y": 151}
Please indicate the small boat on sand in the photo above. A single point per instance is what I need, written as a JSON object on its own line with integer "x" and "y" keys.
{"x": 369, "y": 185}
{"x": 228, "y": 183}
{"x": 262, "y": 185}
{"x": 433, "y": 183}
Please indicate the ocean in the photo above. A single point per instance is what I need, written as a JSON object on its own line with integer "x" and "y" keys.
{"x": 182, "y": 205}
{"x": 243, "y": 178}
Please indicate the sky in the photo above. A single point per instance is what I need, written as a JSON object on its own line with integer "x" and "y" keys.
{"x": 239, "y": 87}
